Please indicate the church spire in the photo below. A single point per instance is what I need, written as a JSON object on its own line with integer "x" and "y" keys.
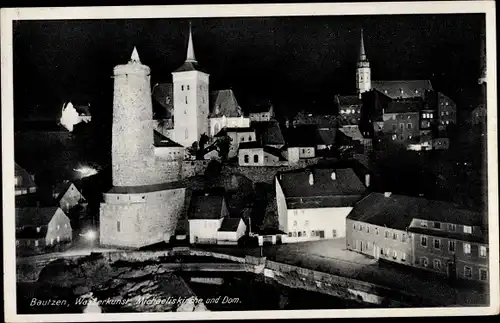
{"x": 362, "y": 54}
{"x": 190, "y": 49}
{"x": 134, "y": 58}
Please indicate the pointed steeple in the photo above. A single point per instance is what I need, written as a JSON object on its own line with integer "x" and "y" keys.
{"x": 134, "y": 58}
{"x": 190, "y": 49}
{"x": 362, "y": 54}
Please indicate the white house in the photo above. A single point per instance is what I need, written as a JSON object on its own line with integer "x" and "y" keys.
{"x": 263, "y": 111}
{"x": 253, "y": 154}
{"x": 225, "y": 112}
{"x": 231, "y": 230}
{"x": 40, "y": 227}
{"x": 206, "y": 213}
{"x": 67, "y": 195}
{"x": 313, "y": 204}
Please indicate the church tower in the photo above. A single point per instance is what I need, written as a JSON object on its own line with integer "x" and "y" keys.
{"x": 190, "y": 99}
{"x": 132, "y": 137}
{"x": 363, "y": 73}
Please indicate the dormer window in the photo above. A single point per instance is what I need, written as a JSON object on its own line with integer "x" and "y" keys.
{"x": 437, "y": 225}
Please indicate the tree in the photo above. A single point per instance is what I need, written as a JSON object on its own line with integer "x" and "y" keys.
{"x": 222, "y": 145}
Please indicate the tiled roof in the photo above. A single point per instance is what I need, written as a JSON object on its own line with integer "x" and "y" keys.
{"x": 62, "y": 188}
{"x": 162, "y": 141}
{"x": 226, "y": 130}
{"x": 34, "y": 216}
{"x": 296, "y": 183}
{"x": 483, "y": 238}
{"x": 327, "y": 135}
{"x": 163, "y": 100}
{"x": 224, "y": 103}
{"x": 249, "y": 145}
{"x": 404, "y": 106}
{"x": 146, "y": 188}
{"x": 345, "y": 100}
{"x": 188, "y": 66}
{"x": 268, "y": 132}
{"x": 230, "y": 224}
{"x": 205, "y": 207}
{"x": 397, "y": 211}
{"x": 403, "y": 88}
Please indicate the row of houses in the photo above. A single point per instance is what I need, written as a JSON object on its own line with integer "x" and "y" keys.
{"x": 326, "y": 203}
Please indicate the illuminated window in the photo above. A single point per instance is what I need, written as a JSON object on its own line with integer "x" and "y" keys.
{"x": 483, "y": 274}
{"x": 482, "y": 251}
{"x": 437, "y": 244}
{"x": 451, "y": 246}
{"x": 452, "y": 227}
{"x": 467, "y": 248}
{"x": 437, "y": 264}
{"x": 467, "y": 272}
{"x": 467, "y": 229}
{"x": 424, "y": 261}
{"x": 423, "y": 241}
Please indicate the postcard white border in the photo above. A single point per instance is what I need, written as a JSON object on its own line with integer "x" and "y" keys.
{"x": 251, "y": 10}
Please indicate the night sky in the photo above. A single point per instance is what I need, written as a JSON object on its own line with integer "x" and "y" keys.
{"x": 293, "y": 61}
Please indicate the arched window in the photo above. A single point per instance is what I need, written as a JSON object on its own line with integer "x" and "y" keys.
{"x": 246, "y": 159}
{"x": 255, "y": 158}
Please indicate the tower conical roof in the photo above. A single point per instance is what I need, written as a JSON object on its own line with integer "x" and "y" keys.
{"x": 134, "y": 58}
{"x": 362, "y": 54}
{"x": 190, "y": 49}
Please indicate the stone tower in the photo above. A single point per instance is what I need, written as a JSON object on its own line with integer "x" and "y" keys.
{"x": 132, "y": 135}
{"x": 363, "y": 72}
{"x": 190, "y": 99}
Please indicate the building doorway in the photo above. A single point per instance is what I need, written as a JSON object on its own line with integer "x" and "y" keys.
{"x": 452, "y": 271}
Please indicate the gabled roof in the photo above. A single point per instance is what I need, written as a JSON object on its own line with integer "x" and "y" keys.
{"x": 206, "y": 207}
{"x": 34, "y": 216}
{"x": 268, "y": 132}
{"x": 27, "y": 180}
{"x": 224, "y": 103}
{"x": 403, "y": 88}
{"x": 63, "y": 187}
{"x": 230, "y": 224}
{"x": 397, "y": 211}
{"x": 162, "y": 141}
{"x": 296, "y": 183}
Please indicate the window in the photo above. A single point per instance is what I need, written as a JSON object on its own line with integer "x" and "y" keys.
{"x": 394, "y": 254}
{"x": 452, "y": 227}
{"x": 289, "y": 234}
{"x": 395, "y": 236}
{"x": 118, "y": 226}
{"x": 36, "y": 243}
{"x": 188, "y": 87}
{"x": 37, "y": 229}
{"x": 423, "y": 241}
{"x": 354, "y": 226}
{"x": 423, "y": 223}
{"x": 403, "y": 256}
{"x": 294, "y": 223}
{"x": 408, "y": 126}
{"x": 467, "y": 248}
{"x": 255, "y": 158}
{"x": 387, "y": 234}
{"x": 295, "y": 234}
{"x": 306, "y": 223}
{"x": 403, "y": 237}
{"x": 367, "y": 229}
{"x": 451, "y": 246}
{"x": 424, "y": 261}
{"x": 483, "y": 274}
{"x": 394, "y": 127}
{"x": 467, "y": 272}
{"x": 437, "y": 225}
{"x": 186, "y": 99}
{"x": 300, "y": 234}
{"x": 334, "y": 233}
{"x": 376, "y": 231}
{"x": 361, "y": 227}
{"x": 382, "y": 251}
{"x": 182, "y": 87}
{"x": 58, "y": 227}
{"x": 467, "y": 229}
{"x": 66, "y": 225}
{"x": 401, "y": 126}
{"x": 246, "y": 159}
{"x": 186, "y": 133}
{"x": 437, "y": 264}
{"x": 482, "y": 251}
{"x": 437, "y": 244}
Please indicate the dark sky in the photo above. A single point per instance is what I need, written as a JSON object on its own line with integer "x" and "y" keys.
{"x": 291, "y": 60}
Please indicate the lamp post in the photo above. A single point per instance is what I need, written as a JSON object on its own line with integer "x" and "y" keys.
{"x": 90, "y": 236}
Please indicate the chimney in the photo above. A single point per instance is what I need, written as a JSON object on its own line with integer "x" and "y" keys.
{"x": 387, "y": 194}
{"x": 311, "y": 179}
{"x": 367, "y": 180}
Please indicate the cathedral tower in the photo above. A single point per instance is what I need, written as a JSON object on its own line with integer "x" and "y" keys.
{"x": 190, "y": 99}
{"x": 363, "y": 73}
{"x": 132, "y": 137}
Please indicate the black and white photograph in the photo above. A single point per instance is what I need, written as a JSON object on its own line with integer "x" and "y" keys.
{"x": 256, "y": 161}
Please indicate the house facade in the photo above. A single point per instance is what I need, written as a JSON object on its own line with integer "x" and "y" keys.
{"x": 451, "y": 248}
{"x": 67, "y": 196}
{"x": 225, "y": 112}
{"x": 312, "y": 204}
{"x": 262, "y": 112}
{"x": 205, "y": 216}
{"x": 230, "y": 231}
{"x": 349, "y": 109}
{"x": 401, "y": 120}
{"x": 38, "y": 228}
{"x": 24, "y": 182}
{"x": 447, "y": 110}
{"x": 253, "y": 154}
